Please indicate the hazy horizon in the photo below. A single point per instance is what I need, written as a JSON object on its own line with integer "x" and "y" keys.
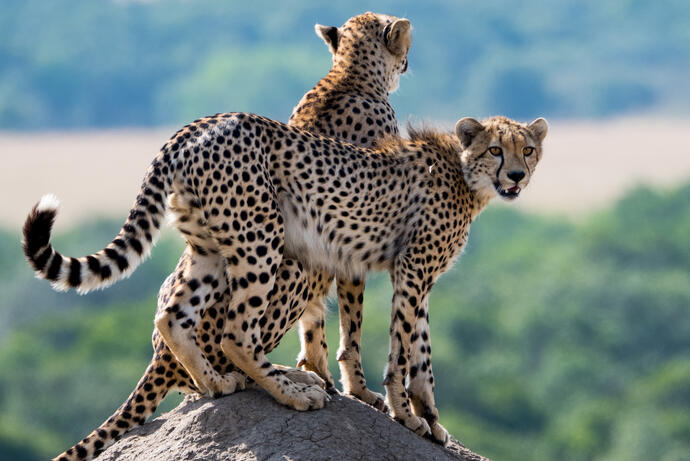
{"x": 587, "y": 164}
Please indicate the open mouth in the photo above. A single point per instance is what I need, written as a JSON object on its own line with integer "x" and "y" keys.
{"x": 508, "y": 194}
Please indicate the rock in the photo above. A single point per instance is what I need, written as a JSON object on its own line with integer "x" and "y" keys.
{"x": 250, "y": 425}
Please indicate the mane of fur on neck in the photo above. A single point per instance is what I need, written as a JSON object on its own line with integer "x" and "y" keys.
{"x": 444, "y": 144}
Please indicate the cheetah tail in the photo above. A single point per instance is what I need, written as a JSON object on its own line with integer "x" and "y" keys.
{"x": 138, "y": 407}
{"x": 117, "y": 260}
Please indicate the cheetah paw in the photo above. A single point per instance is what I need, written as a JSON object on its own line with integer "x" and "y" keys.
{"x": 372, "y": 398}
{"x": 307, "y": 397}
{"x": 416, "y": 424}
{"x": 321, "y": 371}
{"x": 305, "y": 377}
{"x": 228, "y": 384}
{"x": 439, "y": 434}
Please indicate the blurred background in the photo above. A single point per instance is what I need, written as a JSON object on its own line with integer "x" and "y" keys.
{"x": 564, "y": 330}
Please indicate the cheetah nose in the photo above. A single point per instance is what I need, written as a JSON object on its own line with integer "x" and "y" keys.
{"x": 516, "y": 175}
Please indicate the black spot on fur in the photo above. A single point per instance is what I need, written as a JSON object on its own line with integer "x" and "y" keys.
{"x": 81, "y": 451}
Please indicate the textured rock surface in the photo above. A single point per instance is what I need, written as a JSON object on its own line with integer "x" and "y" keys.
{"x": 249, "y": 426}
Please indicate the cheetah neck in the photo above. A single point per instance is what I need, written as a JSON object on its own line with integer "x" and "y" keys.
{"x": 446, "y": 149}
{"x": 348, "y": 77}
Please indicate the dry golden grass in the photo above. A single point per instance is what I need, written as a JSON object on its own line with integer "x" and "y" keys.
{"x": 585, "y": 166}
{"x": 588, "y": 164}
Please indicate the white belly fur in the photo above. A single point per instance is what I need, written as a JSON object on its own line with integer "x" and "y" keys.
{"x": 314, "y": 249}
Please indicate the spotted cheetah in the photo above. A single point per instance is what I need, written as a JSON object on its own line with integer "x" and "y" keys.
{"x": 246, "y": 190}
{"x": 350, "y": 103}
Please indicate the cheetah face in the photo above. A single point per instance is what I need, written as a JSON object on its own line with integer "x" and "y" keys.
{"x": 499, "y": 155}
{"x": 369, "y": 42}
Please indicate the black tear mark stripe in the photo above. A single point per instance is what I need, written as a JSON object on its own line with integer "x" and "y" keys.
{"x": 500, "y": 166}
{"x": 524, "y": 160}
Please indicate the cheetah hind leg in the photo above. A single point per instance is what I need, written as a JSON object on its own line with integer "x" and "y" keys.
{"x": 242, "y": 341}
{"x": 194, "y": 285}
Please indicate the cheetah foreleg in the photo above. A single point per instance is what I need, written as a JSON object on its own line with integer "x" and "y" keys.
{"x": 409, "y": 295}
{"x": 420, "y": 386}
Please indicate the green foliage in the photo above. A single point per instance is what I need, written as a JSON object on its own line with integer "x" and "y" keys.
{"x": 551, "y": 339}
{"x": 130, "y": 63}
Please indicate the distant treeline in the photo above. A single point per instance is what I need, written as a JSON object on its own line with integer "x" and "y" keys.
{"x": 131, "y": 63}
{"x": 551, "y": 340}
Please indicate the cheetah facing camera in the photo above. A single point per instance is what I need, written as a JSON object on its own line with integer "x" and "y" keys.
{"x": 350, "y": 103}
{"x": 247, "y": 190}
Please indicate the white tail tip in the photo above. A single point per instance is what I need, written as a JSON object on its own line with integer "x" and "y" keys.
{"x": 48, "y": 202}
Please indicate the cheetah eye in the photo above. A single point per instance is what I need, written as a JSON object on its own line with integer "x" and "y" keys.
{"x": 495, "y": 150}
{"x": 527, "y": 151}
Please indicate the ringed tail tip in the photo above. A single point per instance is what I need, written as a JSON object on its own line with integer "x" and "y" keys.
{"x": 38, "y": 226}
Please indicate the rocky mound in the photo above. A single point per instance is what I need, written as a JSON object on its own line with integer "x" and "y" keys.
{"x": 250, "y": 425}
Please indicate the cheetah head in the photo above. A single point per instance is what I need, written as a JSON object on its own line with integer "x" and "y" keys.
{"x": 499, "y": 155}
{"x": 369, "y": 41}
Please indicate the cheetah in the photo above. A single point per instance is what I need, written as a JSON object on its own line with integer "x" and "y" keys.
{"x": 246, "y": 190}
{"x": 349, "y": 103}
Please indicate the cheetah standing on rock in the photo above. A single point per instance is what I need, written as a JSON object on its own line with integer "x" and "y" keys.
{"x": 246, "y": 190}
{"x": 351, "y": 102}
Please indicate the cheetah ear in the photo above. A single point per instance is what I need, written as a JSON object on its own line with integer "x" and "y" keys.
{"x": 466, "y": 130}
{"x": 397, "y": 37}
{"x": 329, "y": 35}
{"x": 539, "y": 128}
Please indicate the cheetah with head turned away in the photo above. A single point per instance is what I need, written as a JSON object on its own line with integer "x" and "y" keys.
{"x": 247, "y": 190}
{"x": 350, "y": 103}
